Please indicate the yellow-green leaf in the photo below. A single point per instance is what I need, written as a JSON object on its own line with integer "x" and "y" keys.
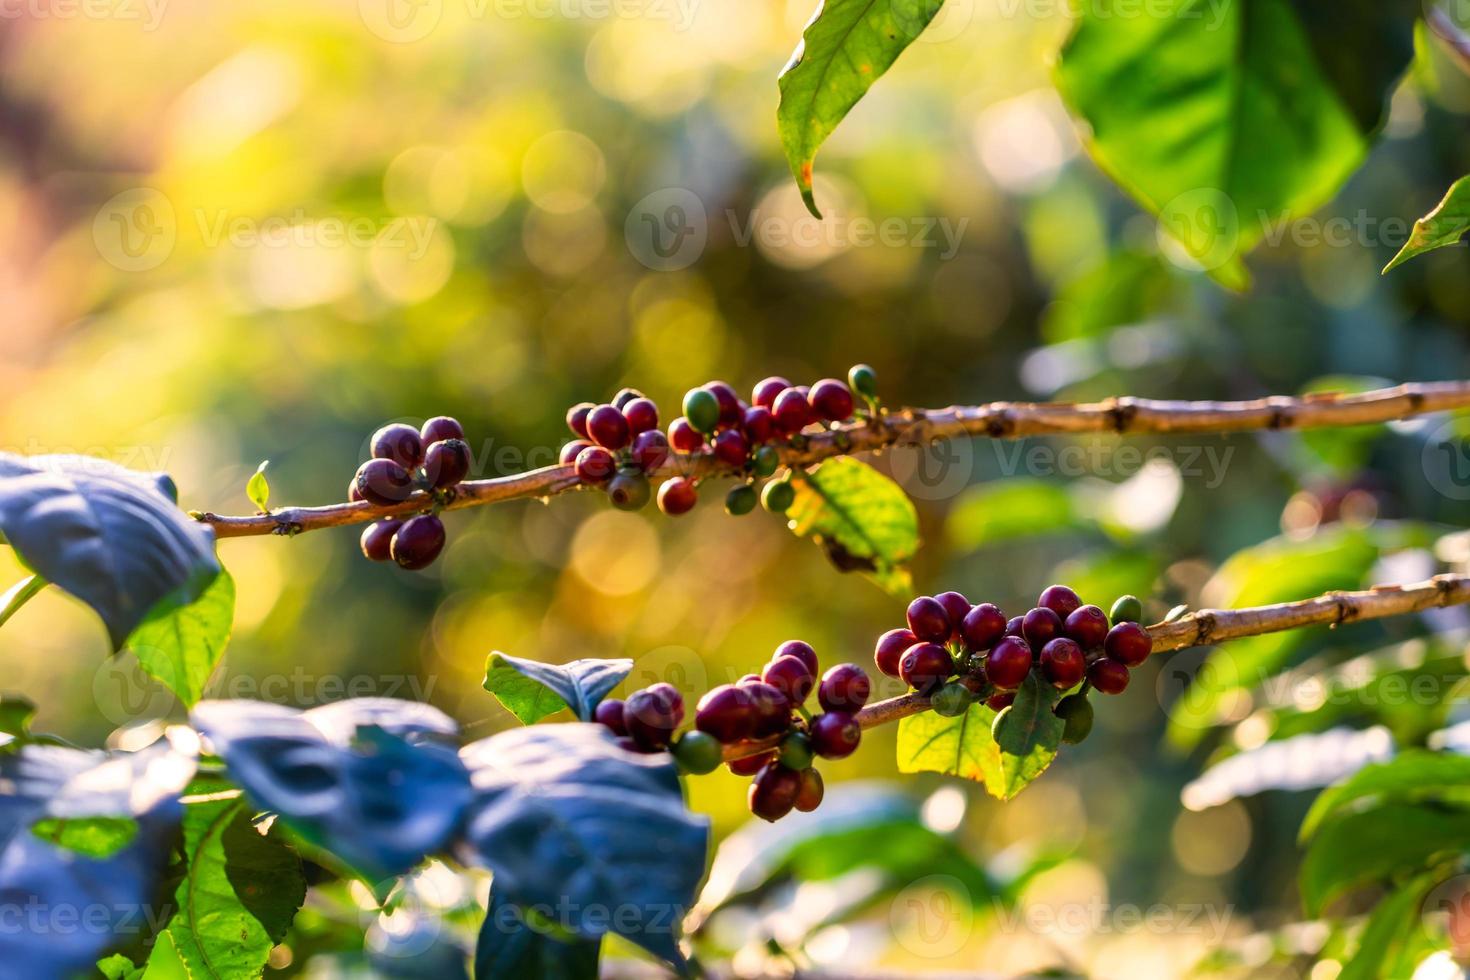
{"x": 861, "y": 519}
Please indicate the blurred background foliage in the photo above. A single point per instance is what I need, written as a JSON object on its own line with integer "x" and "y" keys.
{"x": 344, "y": 224}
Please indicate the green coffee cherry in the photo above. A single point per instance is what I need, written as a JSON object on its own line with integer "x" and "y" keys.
{"x": 702, "y": 409}
{"x": 766, "y": 461}
{"x": 629, "y": 490}
{"x": 795, "y": 751}
{"x": 1076, "y": 711}
{"x": 951, "y": 700}
{"x": 741, "y": 500}
{"x": 862, "y": 379}
{"x": 1126, "y": 610}
{"x": 778, "y": 496}
{"x": 698, "y": 753}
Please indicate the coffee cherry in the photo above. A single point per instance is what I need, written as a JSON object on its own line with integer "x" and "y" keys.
{"x": 1077, "y": 713}
{"x": 400, "y": 443}
{"x": 791, "y": 677}
{"x": 595, "y": 465}
{"x": 759, "y": 425}
{"x": 774, "y": 791}
{"x": 652, "y": 714}
{"x": 835, "y": 735}
{"x": 609, "y": 714}
{"x": 377, "y": 538}
{"x": 570, "y": 451}
{"x": 863, "y": 380}
{"x": 801, "y": 650}
{"x": 1001, "y": 700}
{"x": 727, "y": 712}
{"x": 778, "y": 496}
{"x": 751, "y": 764}
{"x": 770, "y": 709}
{"x": 731, "y": 448}
{"x": 890, "y": 649}
{"x": 607, "y": 427}
{"x": 951, "y": 700}
{"x": 983, "y": 626}
{"x": 677, "y": 496}
{"x": 844, "y": 688}
{"x": 442, "y": 427}
{"x": 702, "y": 409}
{"x": 625, "y": 396}
{"x": 924, "y": 666}
{"x": 629, "y": 490}
{"x": 793, "y": 412}
{"x": 831, "y": 400}
{"x": 928, "y": 619}
{"x": 1060, "y": 600}
{"x": 812, "y": 791}
{"x": 741, "y": 500}
{"x": 956, "y": 607}
{"x": 697, "y": 753}
{"x": 765, "y": 392}
{"x": 418, "y": 542}
{"x": 353, "y": 493}
{"x": 1014, "y": 626}
{"x": 383, "y": 482}
{"x": 650, "y": 450}
{"x": 1008, "y": 663}
{"x": 1129, "y": 643}
{"x": 1088, "y": 625}
{"x": 732, "y": 410}
{"x": 684, "y": 437}
{"x": 447, "y": 462}
{"x": 1127, "y": 609}
{"x": 1063, "y": 663}
{"x": 795, "y": 752}
{"x": 766, "y": 461}
{"x": 577, "y": 418}
{"x": 1040, "y": 626}
{"x": 1108, "y": 675}
{"x": 641, "y": 415}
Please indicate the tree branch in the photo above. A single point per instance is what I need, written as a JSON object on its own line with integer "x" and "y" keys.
{"x": 1208, "y": 626}
{"x": 998, "y": 420}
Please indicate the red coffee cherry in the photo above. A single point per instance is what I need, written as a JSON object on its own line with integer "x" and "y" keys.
{"x": 383, "y": 482}
{"x": 956, "y": 607}
{"x": 1063, "y": 663}
{"x": 890, "y": 649}
{"x": 1129, "y": 643}
{"x": 925, "y": 666}
{"x": 1060, "y": 600}
{"x": 650, "y": 450}
{"x": 400, "y": 443}
{"x": 791, "y": 677}
{"x": 751, "y": 764}
{"x": 418, "y": 542}
{"x": 577, "y": 418}
{"x": 802, "y": 651}
{"x": 624, "y": 396}
{"x": 570, "y": 450}
{"x": 441, "y": 427}
{"x": 652, "y": 714}
{"x": 831, "y": 400}
{"x": 792, "y": 411}
{"x": 759, "y": 425}
{"x": 609, "y": 714}
{"x": 641, "y": 414}
{"x": 1014, "y": 626}
{"x": 377, "y": 539}
{"x": 774, "y": 791}
{"x": 765, "y": 392}
{"x": 928, "y": 619}
{"x": 844, "y": 688}
{"x": 1040, "y": 626}
{"x": 1088, "y": 625}
{"x": 835, "y": 735}
{"x": 1008, "y": 663}
{"x": 595, "y": 465}
{"x": 812, "y": 790}
{"x": 983, "y": 626}
{"x": 684, "y": 437}
{"x": 677, "y": 496}
{"x": 731, "y": 448}
{"x": 772, "y": 710}
{"x": 732, "y": 411}
{"x": 353, "y": 493}
{"x": 447, "y": 462}
{"x": 1000, "y": 702}
{"x": 726, "y": 712}
{"x": 607, "y": 427}
{"x": 1108, "y": 675}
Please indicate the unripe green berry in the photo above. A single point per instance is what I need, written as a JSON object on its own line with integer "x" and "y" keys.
{"x": 862, "y": 379}
{"x": 767, "y": 460}
{"x": 698, "y": 753}
{"x": 702, "y": 409}
{"x": 741, "y": 500}
{"x": 951, "y": 700}
{"x": 629, "y": 490}
{"x": 1076, "y": 711}
{"x": 795, "y": 751}
{"x": 778, "y": 496}
{"x": 1126, "y": 610}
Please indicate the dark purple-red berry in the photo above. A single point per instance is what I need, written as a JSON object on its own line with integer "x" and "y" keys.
{"x": 1000, "y": 701}
{"x": 418, "y": 542}
{"x": 835, "y": 735}
{"x": 652, "y": 714}
{"x": 759, "y": 425}
{"x": 383, "y": 482}
{"x": 577, "y": 418}
{"x": 1063, "y": 663}
{"x": 677, "y": 496}
{"x": 831, "y": 400}
{"x": 377, "y": 538}
{"x": 595, "y": 465}
{"x": 751, "y": 764}
{"x": 1088, "y": 625}
{"x": 924, "y": 666}
{"x": 570, "y": 451}
{"x": 447, "y": 462}
{"x": 642, "y": 415}
{"x": 956, "y": 607}
{"x": 844, "y": 688}
{"x": 1014, "y": 626}
{"x": 353, "y": 493}
{"x": 1040, "y": 626}
{"x": 772, "y": 710}
{"x": 1008, "y": 663}
{"x": 983, "y": 626}
{"x": 726, "y": 712}
{"x": 1129, "y": 643}
{"x": 793, "y": 412}
{"x": 609, "y": 714}
{"x": 650, "y": 450}
{"x": 684, "y": 437}
{"x": 1108, "y": 675}
{"x": 1060, "y": 600}
{"x": 928, "y": 619}
{"x": 731, "y": 448}
{"x": 812, "y": 790}
{"x": 731, "y": 410}
{"x": 801, "y": 650}
{"x": 442, "y": 427}
{"x": 400, "y": 443}
{"x": 890, "y": 649}
{"x": 774, "y": 791}
{"x": 791, "y": 677}
{"x": 624, "y": 396}
{"x": 766, "y": 392}
{"x": 607, "y": 427}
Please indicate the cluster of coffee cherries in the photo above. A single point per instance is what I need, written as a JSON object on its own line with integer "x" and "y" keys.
{"x": 404, "y": 459}
{"x": 956, "y": 652}
{"x": 768, "y": 707}
{"x": 619, "y": 444}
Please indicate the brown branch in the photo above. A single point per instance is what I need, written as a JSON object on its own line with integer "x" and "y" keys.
{"x": 1209, "y": 626}
{"x": 998, "y": 420}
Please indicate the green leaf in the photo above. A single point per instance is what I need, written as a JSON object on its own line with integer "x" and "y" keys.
{"x": 513, "y": 944}
{"x": 119, "y": 967}
{"x": 18, "y": 595}
{"x": 845, "y": 48}
{"x": 16, "y": 713}
{"x": 164, "y": 963}
{"x": 181, "y": 644}
{"x": 238, "y": 896}
{"x": 258, "y": 488}
{"x": 1387, "y": 927}
{"x": 94, "y": 837}
{"x": 1028, "y": 734}
{"x": 531, "y": 690}
{"x": 961, "y": 746}
{"x": 861, "y": 519}
{"x": 1011, "y": 509}
{"x": 1226, "y": 119}
{"x": 1124, "y": 287}
{"x": 1440, "y": 228}
{"x": 1375, "y": 845}
{"x": 1417, "y": 774}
